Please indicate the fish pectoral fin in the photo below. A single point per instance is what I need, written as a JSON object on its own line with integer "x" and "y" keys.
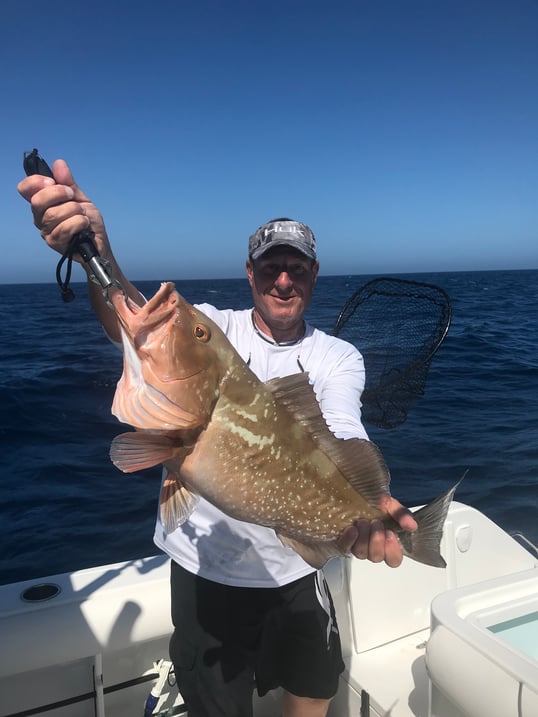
{"x": 135, "y": 451}
{"x": 315, "y": 554}
{"x": 176, "y": 502}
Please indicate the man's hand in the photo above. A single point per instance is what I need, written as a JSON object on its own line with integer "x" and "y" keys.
{"x": 368, "y": 539}
{"x": 61, "y": 209}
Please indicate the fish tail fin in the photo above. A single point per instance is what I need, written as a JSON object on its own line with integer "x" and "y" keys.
{"x": 424, "y": 545}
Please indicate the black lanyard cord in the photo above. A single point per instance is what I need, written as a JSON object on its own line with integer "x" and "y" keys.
{"x": 67, "y": 293}
{"x": 78, "y": 239}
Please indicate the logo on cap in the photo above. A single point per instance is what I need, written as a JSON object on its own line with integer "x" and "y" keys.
{"x": 282, "y": 232}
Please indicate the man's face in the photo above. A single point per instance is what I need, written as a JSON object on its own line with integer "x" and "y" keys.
{"x": 282, "y": 281}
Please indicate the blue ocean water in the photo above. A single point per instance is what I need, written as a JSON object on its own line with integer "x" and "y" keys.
{"x": 64, "y": 506}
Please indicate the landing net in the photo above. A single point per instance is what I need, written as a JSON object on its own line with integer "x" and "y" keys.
{"x": 397, "y": 325}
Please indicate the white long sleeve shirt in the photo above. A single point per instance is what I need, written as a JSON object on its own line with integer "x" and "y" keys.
{"x": 234, "y": 552}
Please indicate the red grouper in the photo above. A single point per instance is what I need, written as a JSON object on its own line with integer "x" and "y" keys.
{"x": 261, "y": 452}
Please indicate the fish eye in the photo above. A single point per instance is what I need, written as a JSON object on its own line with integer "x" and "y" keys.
{"x": 201, "y": 333}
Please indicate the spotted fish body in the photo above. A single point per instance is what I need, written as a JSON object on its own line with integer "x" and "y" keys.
{"x": 261, "y": 452}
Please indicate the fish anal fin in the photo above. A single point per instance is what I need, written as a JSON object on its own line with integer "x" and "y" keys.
{"x": 138, "y": 450}
{"x": 176, "y": 502}
{"x": 315, "y": 554}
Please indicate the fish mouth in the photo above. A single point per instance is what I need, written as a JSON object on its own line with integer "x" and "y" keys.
{"x": 157, "y": 310}
{"x": 138, "y": 322}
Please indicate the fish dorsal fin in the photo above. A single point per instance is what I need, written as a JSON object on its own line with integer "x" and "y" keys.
{"x": 359, "y": 460}
{"x": 363, "y": 466}
{"x": 176, "y": 502}
{"x": 137, "y": 450}
{"x": 296, "y": 394}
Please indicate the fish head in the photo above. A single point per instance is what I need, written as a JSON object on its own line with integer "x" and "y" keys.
{"x": 172, "y": 362}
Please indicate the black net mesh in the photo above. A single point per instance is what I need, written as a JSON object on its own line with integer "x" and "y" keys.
{"x": 397, "y": 325}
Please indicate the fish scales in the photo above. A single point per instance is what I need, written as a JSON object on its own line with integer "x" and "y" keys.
{"x": 298, "y": 495}
{"x": 260, "y": 452}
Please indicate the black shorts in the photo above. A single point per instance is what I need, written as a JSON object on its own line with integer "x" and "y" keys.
{"x": 229, "y": 639}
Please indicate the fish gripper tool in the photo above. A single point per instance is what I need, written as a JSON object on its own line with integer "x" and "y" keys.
{"x": 82, "y": 242}
{"x": 100, "y": 268}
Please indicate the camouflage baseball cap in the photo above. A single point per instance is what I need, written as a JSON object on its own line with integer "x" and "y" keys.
{"x": 282, "y": 232}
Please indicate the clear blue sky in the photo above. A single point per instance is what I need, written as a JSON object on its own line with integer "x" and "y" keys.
{"x": 404, "y": 132}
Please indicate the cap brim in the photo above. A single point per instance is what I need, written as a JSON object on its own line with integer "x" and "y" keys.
{"x": 289, "y": 242}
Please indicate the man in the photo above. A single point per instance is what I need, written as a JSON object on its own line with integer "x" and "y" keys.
{"x": 244, "y": 606}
